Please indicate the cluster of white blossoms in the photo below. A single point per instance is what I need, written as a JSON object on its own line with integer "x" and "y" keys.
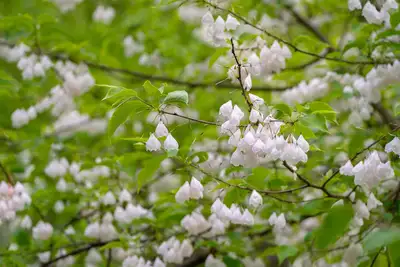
{"x": 132, "y": 47}
{"x": 370, "y": 12}
{"x": 66, "y": 5}
{"x": 14, "y": 53}
{"x": 271, "y": 60}
{"x": 104, "y": 14}
{"x": 305, "y": 92}
{"x": 393, "y": 146}
{"x": 153, "y": 144}
{"x": 77, "y": 80}
{"x": 135, "y": 261}
{"x": 187, "y": 191}
{"x": 279, "y": 222}
{"x": 232, "y": 215}
{"x": 104, "y": 231}
{"x": 130, "y": 212}
{"x": 34, "y": 66}
{"x": 12, "y": 199}
{"x": 368, "y": 173}
{"x": 262, "y": 144}
{"x": 42, "y": 231}
{"x": 215, "y": 30}
{"x": 213, "y": 262}
{"x": 174, "y": 251}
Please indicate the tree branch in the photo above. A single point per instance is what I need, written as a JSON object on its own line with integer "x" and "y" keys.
{"x": 295, "y": 48}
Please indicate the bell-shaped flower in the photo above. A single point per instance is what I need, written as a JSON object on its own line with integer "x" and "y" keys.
{"x": 354, "y": 4}
{"x": 256, "y": 100}
{"x": 255, "y": 199}
{"x": 226, "y": 109}
{"x": 109, "y": 199}
{"x": 373, "y": 202}
{"x": 183, "y": 193}
{"x": 393, "y": 146}
{"x": 255, "y": 116}
{"x": 153, "y": 144}
{"x": 170, "y": 143}
{"x": 161, "y": 130}
{"x": 347, "y": 169}
{"x": 231, "y": 23}
{"x": 207, "y": 19}
{"x": 303, "y": 144}
{"x": 248, "y": 84}
{"x": 196, "y": 189}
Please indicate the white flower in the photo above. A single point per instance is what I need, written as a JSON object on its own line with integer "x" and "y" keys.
{"x": 352, "y": 253}
{"x": 26, "y": 222}
{"x": 124, "y": 196}
{"x": 170, "y": 143}
{"x": 161, "y": 130}
{"x": 361, "y": 210}
{"x": 372, "y": 15}
{"x": 213, "y": 262}
{"x": 109, "y": 199}
{"x": 42, "y": 231}
{"x": 226, "y": 109}
{"x": 186, "y": 248}
{"x": 55, "y": 169}
{"x": 207, "y": 19}
{"x": 104, "y": 14}
{"x": 347, "y": 169}
{"x": 393, "y": 146}
{"x": 248, "y": 83}
{"x": 183, "y": 193}
{"x": 158, "y": 263}
{"x": 354, "y": 4}
{"x": 93, "y": 230}
{"x": 278, "y": 221}
{"x": 61, "y": 185}
{"x": 247, "y": 218}
{"x": 255, "y": 100}
{"x": 44, "y": 256}
{"x": 19, "y": 118}
{"x": 59, "y": 206}
{"x": 196, "y": 189}
{"x": 373, "y": 202}
{"x": 231, "y": 23}
{"x": 303, "y": 144}
{"x": 255, "y": 199}
{"x": 153, "y": 144}
{"x": 255, "y": 116}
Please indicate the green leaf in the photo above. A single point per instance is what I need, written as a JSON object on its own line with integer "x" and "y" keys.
{"x": 231, "y": 262}
{"x": 309, "y": 43}
{"x": 121, "y": 114}
{"x": 117, "y": 92}
{"x": 113, "y": 244}
{"x": 150, "y": 88}
{"x": 283, "y": 108}
{"x": 334, "y": 225}
{"x": 147, "y": 172}
{"x": 218, "y": 52}
{"x": 323, "y": 108}
{"x": 381, "y": 238}
{"x": 234, "y": 195}
{"x": 394, "y": 253}
{"x": 177, "y": 97}
{"x": 395, "y": 19}
{"x": 300, "y": 128}
{"x": 285, "y": 252}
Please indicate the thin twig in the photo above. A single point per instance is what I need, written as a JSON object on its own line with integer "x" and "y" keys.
{"x": 244, "y": 93}
{"x": 6, "y": 174}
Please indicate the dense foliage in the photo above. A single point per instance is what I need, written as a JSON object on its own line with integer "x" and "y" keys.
{"x": 199, "y": 133}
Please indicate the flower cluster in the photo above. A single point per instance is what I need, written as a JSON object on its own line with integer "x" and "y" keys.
{"x": 174, "y": 251}
{"x": 153, "y": 144}
{"x": 104, "y": 14}
{"x": 372, "y": 15}
{"x": 215, "y": 30}
{"x": 12, "y": 199}
{"x": 42, "y": 231}
{"x": 262, "y": 144}
{"x": 305, "y": 92}
{"x": 135, "y": 261}
{"x": 132, "y": 47}
{"x": 104, "y": 231}
{"x": 279, "y": 222}
{"x": 34, "y": 66}
{"x": 232, "y": 214}
{"x": 368, "y": 173}
{"x": 187, "y": 191}
{"x": 15, "y": 53}
{"x": 66, "y": 5}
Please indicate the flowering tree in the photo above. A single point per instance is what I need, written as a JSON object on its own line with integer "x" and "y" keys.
{"x": 199, "y": 133}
